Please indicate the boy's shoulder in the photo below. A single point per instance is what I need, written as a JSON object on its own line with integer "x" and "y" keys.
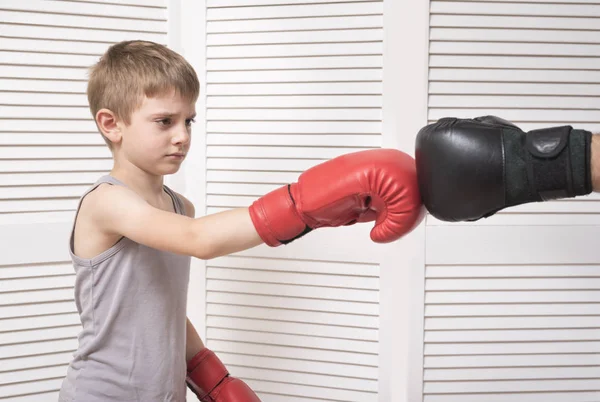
{"x": 190, "y": 210}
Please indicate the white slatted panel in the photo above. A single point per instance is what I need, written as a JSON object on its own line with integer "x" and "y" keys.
{"x": 50, "y": 152}
{"x": 511, "y": 308}
{"x": 291, "y": 84}
{"x": 49, "y": 145}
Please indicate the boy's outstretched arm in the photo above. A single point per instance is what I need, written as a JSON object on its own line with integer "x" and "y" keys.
{"x": 376, "y": 185}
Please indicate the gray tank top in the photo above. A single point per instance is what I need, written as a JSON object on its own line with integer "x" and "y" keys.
{"x": 132, "y": 303}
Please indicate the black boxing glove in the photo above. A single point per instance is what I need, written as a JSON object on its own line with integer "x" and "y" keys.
{"x": 470, "y": 169}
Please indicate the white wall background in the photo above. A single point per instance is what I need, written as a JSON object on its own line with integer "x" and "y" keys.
{"x": 499, "y": 310}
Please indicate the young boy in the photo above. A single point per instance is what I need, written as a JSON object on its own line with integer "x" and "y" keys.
{"x": 133, "y": 237}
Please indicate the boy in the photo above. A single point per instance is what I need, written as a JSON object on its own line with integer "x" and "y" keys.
{"x": 133, "y": 237}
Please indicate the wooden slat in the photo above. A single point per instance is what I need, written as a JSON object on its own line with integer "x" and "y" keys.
{"x": 40, "y": 321}
{"x": 523, "y": 62}
{"x": 517, "y": 102}
{"x": 90, "y": 9}
{"x": 243, "y": 3}
{"x": 295, "y": 24}
{"x": 508, "y": 335}
{"x": 294, "y": 63}
{"x": 293, "y": 127}
{"x": 295, "y": 290}
{"x": 40, "y": 125}
{"x": 514, "y": 9}
{"x": 282, "y": 165}
{"x": 50, "y": 138}
{"x": 56, "y": 165}
{"x": 35, "y": 270}
{"x": 295, "y": 50}
{"x": 511, "y": 386}
{"x": 294, "y": 11}
{"x": 299, "y": 365}
{"x": 83, "y": 21}
{"x": 295, "y": 353}
{"x": 35, "y": 374}
{"x": 43, "y": 99}
{"x": 34, "y": 309}
{"x": 512, "y": 361}
{"x": 54, "y": 46}
{"x": 30, "y": 387}
{"x": 34, "y": 335}
{"x": 493, "y": 374}
{"x": 546, "y": 296}
{"x": 513, "y": 35}
{"x": 331, "y": 36}
{"x": 35, "y": 192}
{"x": 43, "y": 72}
{"x": 506, "y": 88}
{"x": 40, "y": 360}
{"x": 514, "y": 21}
{"x": 323, "y": 140}
{"x": 310, "y": 391}
{"x": 278, "y": 152}
{"x": 296, "y": 316}
{"x": 77, "y": 34}
{"x": 314, "y": 75}
{"x": 522, "y": 323}
{"x": 309, "y": 379}
{"x": 24, "y": 284}
{"x": 33, "y": 85}
{"x": 37, "y": 296}
{"x": 292, "y": 303}
{"x": 291, "y": 101}
{"x": 502, "y": 347}
{"x": 507, "y": 75}
{"x": 26, "y": 59}
{"x": 294, "y": 328}
{"x": 330, "y": 88}
{"x": 298, "y": 265}
{"x": 61, "y": 178}
{"x": 492, "y": 310}
{"x": 45, "y": 112}
{"x": 298, "y": 278}
{"x": 277, "y": 114}
{"x": 299, "y": 341}
{"x": 516, "y": 397}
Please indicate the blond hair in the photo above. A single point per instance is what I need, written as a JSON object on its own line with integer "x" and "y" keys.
{"x": 129, "y": 70}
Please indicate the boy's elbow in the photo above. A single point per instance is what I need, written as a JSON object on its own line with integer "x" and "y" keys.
{"x": 202, "y": 246}
{"x": 205, "y": 250}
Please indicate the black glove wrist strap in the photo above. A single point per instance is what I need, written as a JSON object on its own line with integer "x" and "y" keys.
{"x": 557, "y": 161}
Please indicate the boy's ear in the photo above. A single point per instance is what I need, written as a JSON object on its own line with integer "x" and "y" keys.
{"x": 108, "y": 124}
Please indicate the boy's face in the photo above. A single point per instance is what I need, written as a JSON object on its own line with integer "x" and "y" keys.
{"x": 159, "y": 134}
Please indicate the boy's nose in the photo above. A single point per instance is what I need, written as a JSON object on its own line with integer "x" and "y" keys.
{"x": 182, "y": 136}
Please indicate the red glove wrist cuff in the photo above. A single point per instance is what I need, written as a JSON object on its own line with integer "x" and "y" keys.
{"x": 206, "y": 371}
{"x": 275, "y": 217}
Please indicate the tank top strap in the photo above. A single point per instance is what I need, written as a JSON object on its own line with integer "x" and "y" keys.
{"x": 177, "y": 201}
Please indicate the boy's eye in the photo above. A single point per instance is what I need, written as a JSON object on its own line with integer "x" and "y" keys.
{"x": 189, "y": 122}
{"x": 165, "y": 122}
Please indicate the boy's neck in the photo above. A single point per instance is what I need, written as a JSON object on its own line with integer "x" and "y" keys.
{"x": 145, "y": 185}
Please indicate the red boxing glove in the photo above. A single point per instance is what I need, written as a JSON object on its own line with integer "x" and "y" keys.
{"x": 377, "y": 185}
{"x": 209, "y": 379}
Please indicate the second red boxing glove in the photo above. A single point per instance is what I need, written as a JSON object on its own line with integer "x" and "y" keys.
{"x": 209, "y": 379}
{"x": 376, "y": 185}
